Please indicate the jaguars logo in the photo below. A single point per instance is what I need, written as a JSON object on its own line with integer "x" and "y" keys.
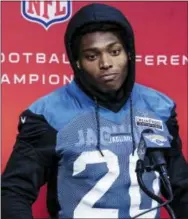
{"x": 157, "y": 139}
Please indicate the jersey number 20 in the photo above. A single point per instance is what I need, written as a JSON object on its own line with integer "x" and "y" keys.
{"x": 85, "y": 207}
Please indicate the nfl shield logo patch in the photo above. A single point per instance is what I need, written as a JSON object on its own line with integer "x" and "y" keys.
{"x": 46, "y": 13}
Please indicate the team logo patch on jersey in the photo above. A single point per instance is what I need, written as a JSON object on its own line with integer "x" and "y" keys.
{"x": 46, "y": 13}
{"x": 149, "y": 122}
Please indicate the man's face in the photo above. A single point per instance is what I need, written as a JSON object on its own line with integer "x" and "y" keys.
{"x": 104, "y": 58}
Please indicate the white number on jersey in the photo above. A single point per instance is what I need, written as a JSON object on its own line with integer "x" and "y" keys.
{"x": 85, "y": 207}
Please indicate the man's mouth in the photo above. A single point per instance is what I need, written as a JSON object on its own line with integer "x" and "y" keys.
{"x": 108, "y": 76}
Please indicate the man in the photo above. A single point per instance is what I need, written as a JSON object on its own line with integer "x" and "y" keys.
{"x": 82, "y": 139}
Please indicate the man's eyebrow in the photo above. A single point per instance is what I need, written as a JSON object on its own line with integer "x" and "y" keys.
{"x": 95, "y": 48}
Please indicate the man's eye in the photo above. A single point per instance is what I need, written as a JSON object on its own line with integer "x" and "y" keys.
{"x": 91, "y": 57}
{"x": 115, "y": 52}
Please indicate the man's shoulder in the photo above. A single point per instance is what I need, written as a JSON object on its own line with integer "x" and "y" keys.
{"x": 53, "y": 106}
{"x": 156, "y": 100}
{"x": 48, "y": 101}
{"x": 152, "y": 94}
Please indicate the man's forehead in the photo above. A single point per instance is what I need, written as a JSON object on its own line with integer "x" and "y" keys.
{"x": 99, "y": 39}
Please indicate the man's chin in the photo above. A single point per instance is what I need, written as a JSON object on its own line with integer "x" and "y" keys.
{"x": 109, "y": 89}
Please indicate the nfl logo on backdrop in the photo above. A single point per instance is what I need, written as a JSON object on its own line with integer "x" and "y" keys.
{"x": 46, "y": 13}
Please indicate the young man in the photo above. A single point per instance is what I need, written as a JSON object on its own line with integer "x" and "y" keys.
{"x": 82, "y": 139}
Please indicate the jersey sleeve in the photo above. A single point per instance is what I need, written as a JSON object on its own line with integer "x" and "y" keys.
{"x": 177, "y": 169}
{"x": 27, "y": 168}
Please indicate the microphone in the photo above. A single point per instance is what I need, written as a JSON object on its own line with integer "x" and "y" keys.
{"x": 153, "y": 147}
{"x": 150, "y": 151}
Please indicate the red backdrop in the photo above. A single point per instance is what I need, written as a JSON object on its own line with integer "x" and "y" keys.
{"x": 34, "y": 61}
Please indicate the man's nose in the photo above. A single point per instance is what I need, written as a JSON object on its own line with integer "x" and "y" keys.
{"x": 105, "y": 62}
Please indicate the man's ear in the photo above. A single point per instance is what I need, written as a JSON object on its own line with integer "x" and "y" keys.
{"x": 78, "y": 64}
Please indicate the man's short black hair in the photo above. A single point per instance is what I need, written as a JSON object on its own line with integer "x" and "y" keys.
{"x": 90, "y": 28}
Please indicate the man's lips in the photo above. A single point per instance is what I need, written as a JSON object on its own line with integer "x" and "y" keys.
{"x": 108, "y": 76}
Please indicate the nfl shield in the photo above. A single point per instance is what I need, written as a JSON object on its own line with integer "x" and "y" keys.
{"x": 46, "y": 13}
